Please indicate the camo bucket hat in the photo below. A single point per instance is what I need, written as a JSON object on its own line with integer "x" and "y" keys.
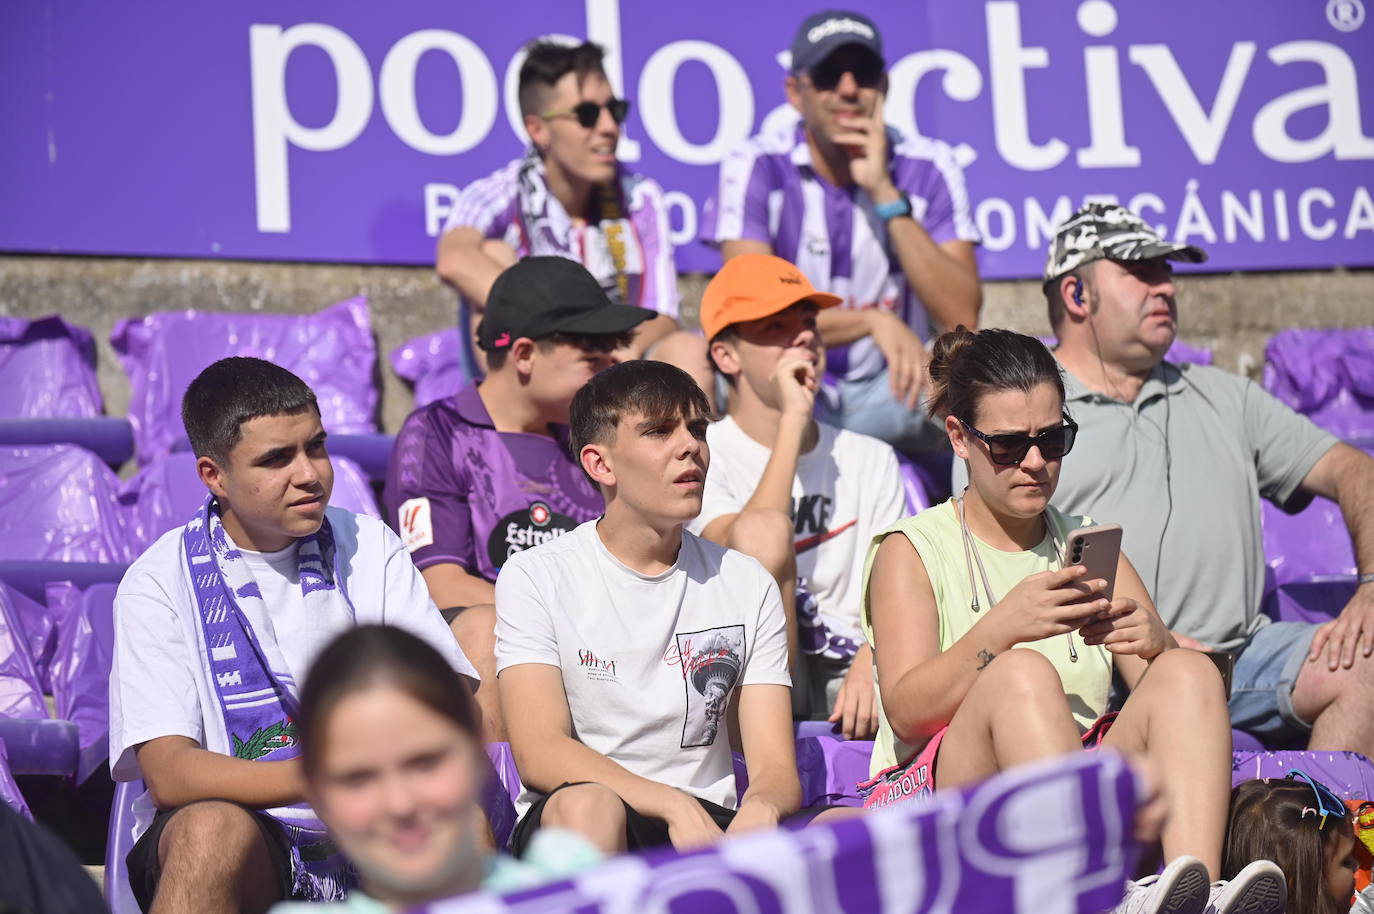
{"x": 1106, "y": 231}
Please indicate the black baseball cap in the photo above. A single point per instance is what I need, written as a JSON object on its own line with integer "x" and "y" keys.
{"x": 821, "y": 33}
{"x": 541, "y": 296}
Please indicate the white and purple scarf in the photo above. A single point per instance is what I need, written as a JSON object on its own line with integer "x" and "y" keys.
{"x": 257, "y": 694}
{"x": 608, "y": 245}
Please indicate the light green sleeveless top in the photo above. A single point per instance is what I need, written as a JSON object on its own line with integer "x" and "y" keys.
{"x": 936, "y": 535}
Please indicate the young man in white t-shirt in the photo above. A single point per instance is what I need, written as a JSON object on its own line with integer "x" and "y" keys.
{"x": 217, "y": 623}
{"x": 801, "y": 496}
{"x": 625, "y": 642}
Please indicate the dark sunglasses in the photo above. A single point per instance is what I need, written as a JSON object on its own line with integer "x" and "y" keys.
{"x": 868, "y": 71}
{"x": 1328, "y": 804}
{"x": 1010, "y": 450}
{"x": 589, "y": 112}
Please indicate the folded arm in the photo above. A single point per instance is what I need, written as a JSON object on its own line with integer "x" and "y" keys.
{"x": 178, "y": 771}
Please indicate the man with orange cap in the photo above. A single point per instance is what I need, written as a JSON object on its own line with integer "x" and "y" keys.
{"x": 800, "y": 496}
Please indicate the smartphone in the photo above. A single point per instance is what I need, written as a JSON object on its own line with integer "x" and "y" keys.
{"x": 1098, "y": 549}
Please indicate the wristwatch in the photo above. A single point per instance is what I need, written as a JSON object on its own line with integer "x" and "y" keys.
{"x": 1366, "y": 578}
{"x": 899, "y": 207}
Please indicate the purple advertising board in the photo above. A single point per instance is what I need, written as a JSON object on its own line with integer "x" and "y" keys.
{"x": 320, "y": 131}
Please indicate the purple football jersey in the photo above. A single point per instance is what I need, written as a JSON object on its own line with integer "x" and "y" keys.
{"x": 457, "y": 490}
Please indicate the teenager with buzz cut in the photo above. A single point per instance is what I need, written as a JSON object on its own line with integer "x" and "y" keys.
{"x": 625, "y": 642}
{"x": 215, "y": 626}
{"x": 481, "y": 475}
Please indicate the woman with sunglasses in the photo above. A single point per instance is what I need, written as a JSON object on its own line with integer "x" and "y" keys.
{"x": 1303, "y": 827}
{"x": 992, "y": 651}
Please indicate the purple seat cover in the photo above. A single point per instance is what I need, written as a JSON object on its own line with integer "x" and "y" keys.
{"x": 9, "y": 790}
{"x": 21, "y": 689}
{"x": 432, "y": 364}
{"x": 39, "y": 627}
{"x": 81, "y": 667}
{"x": 332, "y": 351}
{"x": 1349, "y": 774}
{"x": 1328, "y": 376}
{"x": 47, "y": 370}
{"x": 167, "y": 492}
{"x": 59, "y": 503}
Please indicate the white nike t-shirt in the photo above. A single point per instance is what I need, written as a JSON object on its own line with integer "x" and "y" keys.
{"x": 846, "y": 489}
{"x": 649, "y": 662}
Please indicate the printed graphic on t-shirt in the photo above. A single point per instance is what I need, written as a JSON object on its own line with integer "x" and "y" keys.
{"x": 711, "y": 661}
{"x": 810, "y": 516}
{"x": 414, "y": 522}
{"x": 524, "y": 529}
{"x": 597, "y": 668}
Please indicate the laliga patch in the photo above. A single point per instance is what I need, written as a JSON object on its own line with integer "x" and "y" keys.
{"x": 413, "y": 520}
{"x": 519, "y": 530}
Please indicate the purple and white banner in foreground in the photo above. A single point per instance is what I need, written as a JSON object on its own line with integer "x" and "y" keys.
{"x": 1044, "y": 839}
{"x": 326, "y": 131}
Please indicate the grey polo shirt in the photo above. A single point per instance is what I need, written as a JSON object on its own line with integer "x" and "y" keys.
{"x": 1182, "y": 470}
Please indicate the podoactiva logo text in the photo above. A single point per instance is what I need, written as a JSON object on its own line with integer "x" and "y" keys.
{"x": 525, "y": 528}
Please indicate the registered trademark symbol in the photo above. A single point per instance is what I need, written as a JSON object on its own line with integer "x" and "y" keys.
{"x": 1345, "y": 15}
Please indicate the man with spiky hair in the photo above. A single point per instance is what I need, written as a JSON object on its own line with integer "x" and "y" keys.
{"x": 566, "y": 196}
{"x": 215, "y": 626}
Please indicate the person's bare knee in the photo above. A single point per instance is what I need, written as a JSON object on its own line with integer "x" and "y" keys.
{"x": 475, "y": 629}
{"x": 767, "y": 535}
{"x": 1019, "y": 674}
{"x": 594, "y": 811}
{"x": 215, "y": 852}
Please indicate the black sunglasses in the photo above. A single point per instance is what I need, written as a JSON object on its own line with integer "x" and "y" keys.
{"x": 588, "y": 113}
{"x": 1010, "y": 450}
{"x": 867, "y": 69}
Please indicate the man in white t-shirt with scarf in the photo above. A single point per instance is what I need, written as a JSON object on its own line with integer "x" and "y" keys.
{"x": 801, "y": 496}
{"x": 625, "y": 642}
{"x": 215, "y": 627}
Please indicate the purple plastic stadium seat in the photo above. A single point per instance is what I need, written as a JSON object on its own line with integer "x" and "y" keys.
{"x": 47, "y": 370}
{"x": 332, "y": 351}
{"x": 1328, "y": 376}
{"x": 166, "y": 493}
{"x": 32, "y": 578}
{"x": 59, "y": 503}
{"x": 9, "y": 790}
{"x": 432, "y": 364}
{"x": 1349, "y": 774}
{"x": 21, "y": 687}
{"x": 81, "y": 667}
{"x": 39, "y": 628}
{"x": 119, "y": 840}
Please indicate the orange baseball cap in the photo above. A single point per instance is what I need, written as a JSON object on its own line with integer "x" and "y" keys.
{"x": 752, "y": 286}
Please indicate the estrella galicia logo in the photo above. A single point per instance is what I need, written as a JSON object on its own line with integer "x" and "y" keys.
{"x": 525, "y": 528}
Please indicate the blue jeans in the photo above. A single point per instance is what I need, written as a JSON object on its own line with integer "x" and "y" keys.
{"x": 1267, "y": 668}
{"x": 868, "y": 407}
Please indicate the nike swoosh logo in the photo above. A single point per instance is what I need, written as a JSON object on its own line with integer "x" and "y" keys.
{"x": 811, "y": 542}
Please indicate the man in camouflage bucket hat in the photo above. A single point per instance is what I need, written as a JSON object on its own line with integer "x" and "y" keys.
{"x": 1179, "y": 455}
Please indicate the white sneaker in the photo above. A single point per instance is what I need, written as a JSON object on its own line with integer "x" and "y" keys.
{"x": 1258, "y": 889}
{"x": 1180, "y": 889}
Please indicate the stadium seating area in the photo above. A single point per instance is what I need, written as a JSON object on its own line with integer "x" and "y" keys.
{"x": 69, "y": 526}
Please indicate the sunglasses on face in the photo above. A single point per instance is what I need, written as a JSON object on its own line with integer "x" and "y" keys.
{"x": 1328, "y": 804}
{"x": 1010, "y": 450}
{"x": 588, "y": 113}
{"x": 867, "y": 70}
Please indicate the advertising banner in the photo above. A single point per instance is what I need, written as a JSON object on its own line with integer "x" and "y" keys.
{"x": 326, "y": 131}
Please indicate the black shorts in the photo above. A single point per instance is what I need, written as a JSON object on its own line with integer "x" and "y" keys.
{"x": 145, "y": 869}
{"x": 641, "y": 831}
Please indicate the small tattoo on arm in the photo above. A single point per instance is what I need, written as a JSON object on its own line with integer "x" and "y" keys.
{"x": 986, "y": 656}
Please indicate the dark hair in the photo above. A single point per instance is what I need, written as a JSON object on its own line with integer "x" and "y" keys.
{"x": 371, "y": 655}
{"x": 546, "y": 62}
{"x": 597, "y": 342}
{"x": 642, "y": 387}
{"x": 966, "y": 365}
{"x": 232, "y": 391}
{"x": 1053, "y": 292}
{"x": 1267, "y": 823}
